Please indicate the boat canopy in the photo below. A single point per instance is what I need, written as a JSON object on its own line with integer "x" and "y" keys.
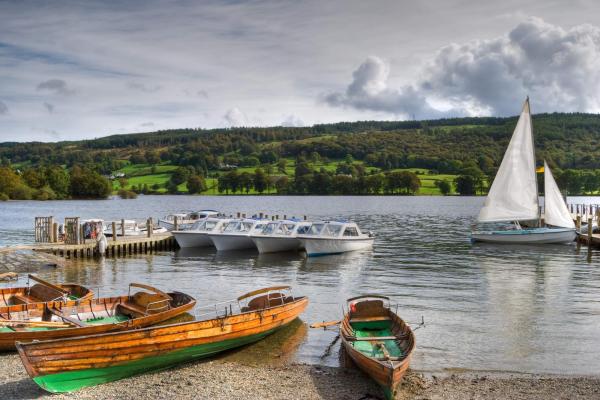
{"x": 514, "y": 192}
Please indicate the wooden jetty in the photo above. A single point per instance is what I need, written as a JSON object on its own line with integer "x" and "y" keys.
{"x": 115, "y": 247}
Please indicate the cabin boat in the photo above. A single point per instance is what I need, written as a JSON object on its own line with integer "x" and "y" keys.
{"x": 197, "y": 235}
{"x": 278, "y": 236}
{"x": 54, "y": 320}
{"x": 377, "y": 340}
{"x": 70, "y": 364}
{"x": 236, "y": 235}
{"x": 131, "y": 228}
{"x": 334, "y": 237}
{"x": 43, "y": 292}
{"x": 511, "y": 213}
{"x": 185, "y": 220}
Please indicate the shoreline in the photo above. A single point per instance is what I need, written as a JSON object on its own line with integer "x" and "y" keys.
{"x": 219, "y": 378}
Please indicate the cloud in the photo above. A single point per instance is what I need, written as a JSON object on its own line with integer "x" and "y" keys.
{"x": 202, "y": 93}
{"x": 234, "y": 117}
{"x": 49, "y": 107}
{"x": 56, "y": 86}
{"x": 143, "y": 88}
{"x": 292, "y": 121}
{"x": 3, "y": 108}
{"x": 147, "y": 124}
{"x": 559, "y": 69}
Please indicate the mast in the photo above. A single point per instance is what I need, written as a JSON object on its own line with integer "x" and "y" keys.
{"x": 537, "y": 190}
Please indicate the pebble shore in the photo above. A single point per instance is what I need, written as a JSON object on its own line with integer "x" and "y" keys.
{"x": 222, "y": 379}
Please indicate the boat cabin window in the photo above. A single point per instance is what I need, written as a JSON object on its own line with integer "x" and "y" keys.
{"x": 245, "y": 226}
{"x": 198, "y": 226}
{"x": 332, "y": 230}
{"x": 259, "y": 227}
{"x": 286, "y": 229}
{"x": 351, "y": 231}
{"x": 315, "y": 229}
{"x": 209, "y": 225}
{"x": 270, "y": 228}
{"x": 303, "y": 229}
{"x": 232, "y": 227}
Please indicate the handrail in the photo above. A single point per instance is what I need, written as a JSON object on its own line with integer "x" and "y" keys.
{"x": 149, "y": 288}
{"x": 264, "y": 290}
{"x": 167, "y": 305}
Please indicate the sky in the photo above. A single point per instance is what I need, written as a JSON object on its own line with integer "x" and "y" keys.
{"x": 84, "y": 69}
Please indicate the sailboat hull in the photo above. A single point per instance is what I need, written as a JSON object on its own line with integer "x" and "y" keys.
{"x": 526, "y": 236}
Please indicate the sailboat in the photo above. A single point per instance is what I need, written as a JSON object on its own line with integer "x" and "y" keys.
{"x": 513, "y": 198}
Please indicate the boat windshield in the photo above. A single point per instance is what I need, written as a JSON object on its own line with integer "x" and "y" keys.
{"x": 303, "y": 229}
{"x": 332, "y": 230}
{"x": 270, "y": 228}
{"x": 210, "y": 225}
{"x": 286, "y": 228}
{"x": 198, "y": 226}
{"x": 258, "y": 227}
{"x": 232, "y": 227}
{"x": 351, "y": 231}
{"x": 315, "y": 229}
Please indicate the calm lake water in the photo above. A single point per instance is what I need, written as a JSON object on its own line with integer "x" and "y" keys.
{"x": 486, "y": 307}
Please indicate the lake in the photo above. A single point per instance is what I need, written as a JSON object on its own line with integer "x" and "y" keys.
{"x": 486, "y": 307}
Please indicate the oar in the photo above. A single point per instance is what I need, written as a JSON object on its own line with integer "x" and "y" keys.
{"x": 48, "y": 284}
{"x": 324, "y": 324}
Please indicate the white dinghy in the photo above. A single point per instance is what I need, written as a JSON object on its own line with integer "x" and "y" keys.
{"x": 197, "y": 235}
{"x": 236, "y": 235}
{"x": 279, "y": 236}
{"x": 513, "y": 198}
{"x": 335, "y": 237}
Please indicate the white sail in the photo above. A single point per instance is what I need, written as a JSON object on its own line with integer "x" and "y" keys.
{"x": 556, "y": 212}
{"x": 513, "y": 195}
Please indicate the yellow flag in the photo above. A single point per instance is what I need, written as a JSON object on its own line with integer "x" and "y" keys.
{"x": 540, "y": 170}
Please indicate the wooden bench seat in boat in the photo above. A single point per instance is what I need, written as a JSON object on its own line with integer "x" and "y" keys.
{"x": 370, "y": 338}
{"x": 369, "y": 319}
{"x": 125, "y": 307}
{"x": 20, "y": 299}
{"x": 267, "y": 301}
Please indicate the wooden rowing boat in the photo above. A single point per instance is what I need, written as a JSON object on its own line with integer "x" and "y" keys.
{"x": 55, "y": 320}
{"x": 71, "y": 364}
{"x": 377, "y": 340}
{"x": 43, "y": 292}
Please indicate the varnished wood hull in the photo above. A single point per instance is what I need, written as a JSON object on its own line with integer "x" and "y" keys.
{"x": 23, "y": 295}
{"x": 387, "y": 374}
{"x": 68, "y": 365}
{"x": 8, "y": 339}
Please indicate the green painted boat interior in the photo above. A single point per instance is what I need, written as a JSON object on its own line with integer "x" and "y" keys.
{"x": 374, "y": 329}
{"x": 74, "y": 380}
{"x": 107, "y": 320}
{"x": 28, "y": 329}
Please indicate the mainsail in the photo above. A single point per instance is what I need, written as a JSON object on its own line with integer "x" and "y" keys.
{"x": 555, "y": 210}
{"x": 514, "y": 193}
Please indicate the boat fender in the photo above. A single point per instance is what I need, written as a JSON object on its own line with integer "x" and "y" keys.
{"x": 352, "y": 307}
{"x": 102, "y": 243}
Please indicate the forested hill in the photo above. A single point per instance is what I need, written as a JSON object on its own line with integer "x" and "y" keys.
{"x": 565, "y": 140}
{"x": 370, "y": 157}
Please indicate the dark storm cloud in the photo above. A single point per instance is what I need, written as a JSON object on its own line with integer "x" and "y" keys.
{"x": 558, "y": 68}
{"x": 56, "y": 86}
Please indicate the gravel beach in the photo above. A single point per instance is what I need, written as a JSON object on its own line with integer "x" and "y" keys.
{"x": 223, "y": 379}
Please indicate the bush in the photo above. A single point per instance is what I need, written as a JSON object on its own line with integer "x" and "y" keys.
{"x": 45, "y": 193}
{"x": 3, "y": 197}
{"x": 127, "y": 194}
{"x": 195, "y": 184}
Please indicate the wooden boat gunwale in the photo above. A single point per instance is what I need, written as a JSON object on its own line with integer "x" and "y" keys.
{"x": 63, "y": 290}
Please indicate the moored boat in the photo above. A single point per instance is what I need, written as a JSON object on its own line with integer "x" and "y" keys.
{"x": 513, "y": 199}
{"x": 126, "y": 227}
{"x": 377, "y": 340}
{"x": 70, "y": 364}
{"x": 236, "y": 235}
{"x": 53, "y": 320}
{"x": 197, "y": 235}
{"x": 334, "y": 237}
{"x": 42, "y": 292}
{"x": 185, "y": 220}
{"x": 280, "y": 236}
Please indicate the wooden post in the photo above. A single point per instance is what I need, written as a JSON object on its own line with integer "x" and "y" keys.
{"x": 238, "y": 214}
{"x": 598, "y": 215}
{"x": 284, "y": 216}
{"x": 305, "y": 217}
{"x": 175, "y": 223}
{"x": 81, "y": 239}
{"x": 114, "y": 231}
{"x": 123, "y": 227}
{"x": 244, "y": 215}
{"x": 151, "y": 227}
{"x": 148, "y": 232}
{"x": 260, "y": 215}
{"x": 578, "y": 223}
{"x": 55, "y": 232}
{"x": 590, "y": 231}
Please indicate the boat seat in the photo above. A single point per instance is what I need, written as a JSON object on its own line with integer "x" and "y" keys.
{"x": 266, "y": 301}
{"x": 20, "y": 299}
{"x": 133, "y": 308}
{"x": 369, "y": 319}
{"x": 66, "y": 317}
{"x": 43, "y": 293}
{"x": 370, "y": 338}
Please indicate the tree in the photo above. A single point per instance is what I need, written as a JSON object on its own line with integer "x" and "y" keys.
{"x": 195, "y": 184}
{"x": 59, "y": 180}
{"x": 172, "y": 187}
{"x": 123, "y": 182}
{"x": 180, "y": 175}
{"x": 260, "y": 180}
{"x": 86, "y": 183}
{"x": 465, "y": 185}
{"x": 282, "y": 185}
{"x": 281, "y": 164}
{"x": 33, "y": 178}
{"x": 444, "y": 187}
{"x": 152, "y": 157}
{"x": 246, "y": 181}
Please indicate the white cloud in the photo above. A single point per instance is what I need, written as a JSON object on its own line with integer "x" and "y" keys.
{"x": 559, "y": 69}
{"x": 143, "y": 88}
{"x": 234, "y": 117}
{"x": 56, "y": 86}
{"x": 292, "y": 121}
